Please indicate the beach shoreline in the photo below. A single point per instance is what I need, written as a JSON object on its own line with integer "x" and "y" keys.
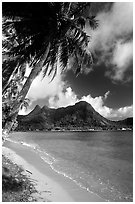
{"x": 50, "y": 185}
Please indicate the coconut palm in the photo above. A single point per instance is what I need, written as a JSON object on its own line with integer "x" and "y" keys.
{"x": 43, "y": 34}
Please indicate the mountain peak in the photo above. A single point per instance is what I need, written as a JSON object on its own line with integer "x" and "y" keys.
{"x": 83, "y": 103}
{"x": 37, "y": 107}
{"x": 45, "y": 108}
{"x": 79, "y": 116}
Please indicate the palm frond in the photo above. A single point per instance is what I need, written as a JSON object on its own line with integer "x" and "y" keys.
{"x": 53, "y": 58}
{"x": 78, "y": 8}
{"x": 25, "y": 103}
{"x": 80, "y": 22}
{"x": 64, "y": 54}
{"x": 9, "y": 68}
{"x": 45, "y": 68}
{"x": 79, "y": 36}
{"x": 93, "y": 22}
{"x": 57, "y": 22}
{"x": 54, "y": 71}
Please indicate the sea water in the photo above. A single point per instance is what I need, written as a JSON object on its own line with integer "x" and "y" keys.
{"x": 100, "y": 162}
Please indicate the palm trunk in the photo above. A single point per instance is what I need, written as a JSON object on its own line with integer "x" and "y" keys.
{"x": 15, "y": 109}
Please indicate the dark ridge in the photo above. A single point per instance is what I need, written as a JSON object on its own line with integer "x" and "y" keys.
{"x": 80, "y": 116}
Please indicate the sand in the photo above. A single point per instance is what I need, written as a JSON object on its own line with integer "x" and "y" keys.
{"x": 50, "y": 185}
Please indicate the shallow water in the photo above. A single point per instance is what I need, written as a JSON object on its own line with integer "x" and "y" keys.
{"x": 101, "y": 162}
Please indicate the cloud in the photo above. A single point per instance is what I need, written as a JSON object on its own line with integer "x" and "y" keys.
{"x": 63, "y": 99}
{"x": 56, "y": 94}
{"x": 68, "y": 97}
{"x": 106, "y": 94}
{"x": 123, "y": 53}
{"x": 25, "y": 111}
{"x": 122, "y": 58}
{"x": 113, "y": 38}
{"x": 98, "y": 104}
{"x": 42, "y": 87}
{"x": 126, "y": 111}
{"x": 113, "y": 24}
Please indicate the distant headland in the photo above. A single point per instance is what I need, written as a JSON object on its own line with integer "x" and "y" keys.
{"x": 79, "y": 117}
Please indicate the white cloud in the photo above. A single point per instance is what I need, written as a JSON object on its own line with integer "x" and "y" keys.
{"x": 98, "y": 104}
{"x": 42, "y": 87}
{"x": 106, "y": 94}
{"x": 126, "y": 111}
{"x": 115, "y": 27}
{"x": 59, "y": 95}
{"x": 123, "y": 53}
{"x": 68, "y": 97}
{"x": 117, "y": 22}
{"x": 63, "y": 99}
{"x": 122, "y": 57}
{"x": 25, "y": 111}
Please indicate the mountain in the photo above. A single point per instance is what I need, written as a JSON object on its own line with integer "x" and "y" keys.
{"x": 126, "y": 122}
{"x": 35, "y": 111}
{"x": 80, "y": 116}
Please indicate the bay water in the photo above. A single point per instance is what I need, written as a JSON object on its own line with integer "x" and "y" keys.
{"x": 100, "y": 162}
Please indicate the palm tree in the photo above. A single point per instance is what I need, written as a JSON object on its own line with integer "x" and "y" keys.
{"x": 43, "y": 34}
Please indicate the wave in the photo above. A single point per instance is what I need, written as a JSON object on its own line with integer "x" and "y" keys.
{"x": 57, "y": 164}
{"x": 89, "y": 182}
{"x": 43, "y": 154}
{"x": 54, "y": 163}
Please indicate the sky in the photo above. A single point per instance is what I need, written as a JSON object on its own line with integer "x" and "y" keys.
{"x": 108, "y": 85}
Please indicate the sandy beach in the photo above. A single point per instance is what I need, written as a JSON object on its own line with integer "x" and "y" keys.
{"x": 50, "y": 185}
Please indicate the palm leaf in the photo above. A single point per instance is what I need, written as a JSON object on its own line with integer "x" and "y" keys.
{"x": 93, "y": 22}
{"x": 78, "y": 8}
{"x": 45, "y": 68}
{"x": 64, "y": 54}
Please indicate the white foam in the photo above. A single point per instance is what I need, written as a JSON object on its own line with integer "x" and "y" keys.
{"x": 75, "y": 181}
{"x": 33, "y": 146}
{"x": 49, "y": 159}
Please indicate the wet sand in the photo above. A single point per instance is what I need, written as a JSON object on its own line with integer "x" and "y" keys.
{"x": 50, "y": 185}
